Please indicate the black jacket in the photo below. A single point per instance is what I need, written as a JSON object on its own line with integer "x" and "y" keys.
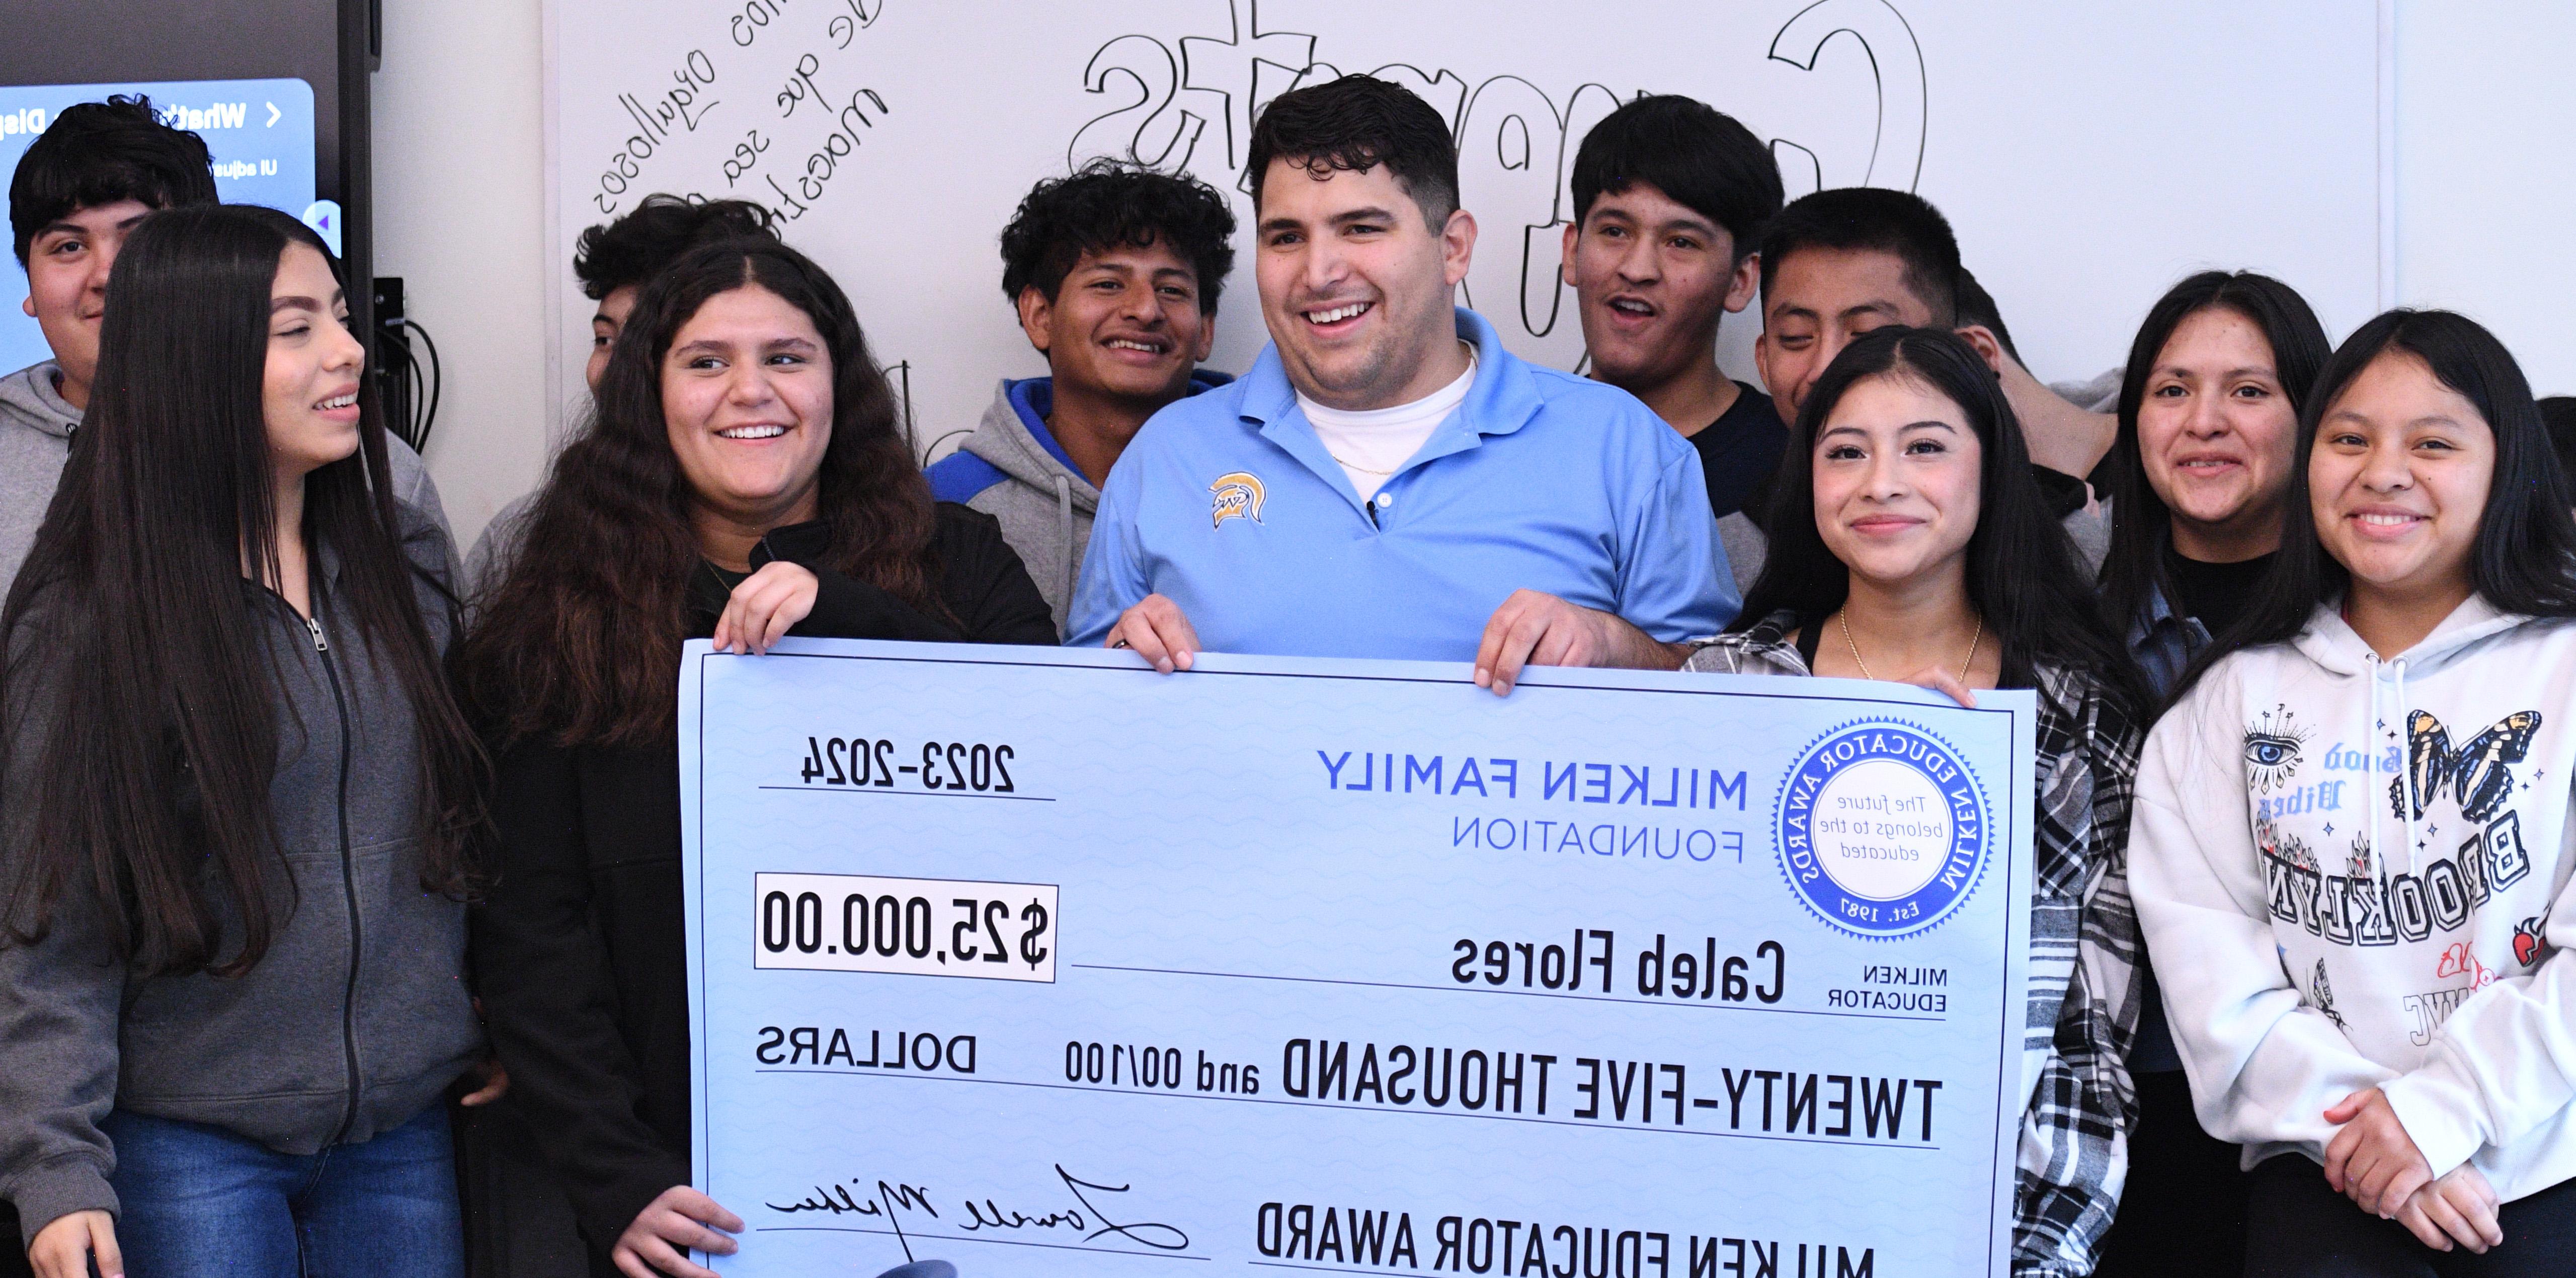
{"x": 578, "y": 950}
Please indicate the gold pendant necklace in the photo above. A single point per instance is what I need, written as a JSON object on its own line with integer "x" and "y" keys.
{"x": 1843, "y": 619}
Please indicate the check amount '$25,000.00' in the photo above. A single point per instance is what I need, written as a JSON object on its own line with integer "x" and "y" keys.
{"x": 908, "y": 927}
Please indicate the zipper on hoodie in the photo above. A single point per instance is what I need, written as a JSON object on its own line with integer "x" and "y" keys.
{"x": 348, "y": 871}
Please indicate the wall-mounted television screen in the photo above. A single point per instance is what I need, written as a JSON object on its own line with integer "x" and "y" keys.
{"x": 259, "y": 131}
{"x": 278, "y": 90}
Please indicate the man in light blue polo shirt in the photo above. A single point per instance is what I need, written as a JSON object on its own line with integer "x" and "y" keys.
{"x": 1388, "y": 480}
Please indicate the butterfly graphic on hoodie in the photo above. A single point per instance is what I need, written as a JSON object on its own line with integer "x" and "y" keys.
{"x": 2476, "y": 772}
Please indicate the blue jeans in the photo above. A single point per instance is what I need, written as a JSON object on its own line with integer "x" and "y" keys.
{"x": 199, "y": 1200}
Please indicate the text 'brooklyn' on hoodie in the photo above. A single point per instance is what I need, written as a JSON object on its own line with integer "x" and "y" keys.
{"x": 2353, "y": 873}
{"x": 1012, "y": 469}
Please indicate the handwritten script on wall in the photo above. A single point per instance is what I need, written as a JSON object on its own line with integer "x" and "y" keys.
{"x": 1186, "y": 103}
{"x": 1190, "y": 103}
{"x": 800, "y": 133}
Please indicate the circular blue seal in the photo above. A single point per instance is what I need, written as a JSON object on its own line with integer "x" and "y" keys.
{"x": 1883, "y": 831}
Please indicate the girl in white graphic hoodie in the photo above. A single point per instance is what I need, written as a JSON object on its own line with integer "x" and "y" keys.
{"x": 2350, "y": 850}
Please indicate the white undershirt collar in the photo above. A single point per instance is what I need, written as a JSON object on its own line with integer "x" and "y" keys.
{"x": 1373, "y": 443}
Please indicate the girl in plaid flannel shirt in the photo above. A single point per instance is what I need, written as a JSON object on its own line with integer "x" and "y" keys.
{"x": 1910, "y": 543}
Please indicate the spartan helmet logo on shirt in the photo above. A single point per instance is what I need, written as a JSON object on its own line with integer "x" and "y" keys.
{"x": 2476, "y": 772}
{"x": 1238, "y": 496}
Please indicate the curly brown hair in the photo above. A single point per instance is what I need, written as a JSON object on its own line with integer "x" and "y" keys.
{"x": 580, "y": 642}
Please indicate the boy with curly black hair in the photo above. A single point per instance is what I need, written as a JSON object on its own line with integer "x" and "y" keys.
{"x": 1114, "y": 272}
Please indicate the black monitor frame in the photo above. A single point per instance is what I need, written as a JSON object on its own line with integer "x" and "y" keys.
{"x": 329, "y": 44}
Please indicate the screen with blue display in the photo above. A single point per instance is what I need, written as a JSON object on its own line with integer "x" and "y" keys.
{"x": 259, "y": 131}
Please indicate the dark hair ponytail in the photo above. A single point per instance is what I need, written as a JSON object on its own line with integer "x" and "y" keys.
{"x": 2524, "y": 559}
{"x": 148, "y": 677}
{"x": 2022, "y": 574}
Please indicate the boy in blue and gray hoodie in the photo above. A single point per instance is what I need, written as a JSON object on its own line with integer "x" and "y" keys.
{"x": 1115, "y": 272}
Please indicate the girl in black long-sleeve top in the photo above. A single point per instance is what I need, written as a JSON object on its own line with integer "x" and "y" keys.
{"x": 742, "y": 480}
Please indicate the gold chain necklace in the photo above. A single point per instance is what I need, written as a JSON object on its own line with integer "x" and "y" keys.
{"x": 1843, "y": 619}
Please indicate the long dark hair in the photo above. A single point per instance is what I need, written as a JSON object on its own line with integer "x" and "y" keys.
{"x": 2022, "y": 574}
{"x": 128, "y": 638}
{"x": 580, "y": 642}
{"x": 2141, "y": 523}
{"x": 2524, "y": 560}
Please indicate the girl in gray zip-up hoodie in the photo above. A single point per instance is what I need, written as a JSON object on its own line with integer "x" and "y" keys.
{"x": 234, "y": 803}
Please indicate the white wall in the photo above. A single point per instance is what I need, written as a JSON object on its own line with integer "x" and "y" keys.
{"x": 460, "y": 216}
{"x": 2486, "y": 166}
{"x": 2485, "y": 163}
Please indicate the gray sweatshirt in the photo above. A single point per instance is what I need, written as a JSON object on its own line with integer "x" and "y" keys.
{"x": 1012, "y": 469}
{"x": 490, "y": 558}
{"x": 355, "y": 1020}
{"x": 36, "y": 425}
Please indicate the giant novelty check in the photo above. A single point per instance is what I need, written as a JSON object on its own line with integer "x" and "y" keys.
{"x": 1041, "y": 963}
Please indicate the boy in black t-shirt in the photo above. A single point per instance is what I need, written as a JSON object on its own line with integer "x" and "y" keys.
{"x": 1670, "y": 197}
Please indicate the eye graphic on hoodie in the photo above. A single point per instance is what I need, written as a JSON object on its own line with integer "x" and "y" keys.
{"x": 2272, "y": 745}
{"x": 2476, "y": 772}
